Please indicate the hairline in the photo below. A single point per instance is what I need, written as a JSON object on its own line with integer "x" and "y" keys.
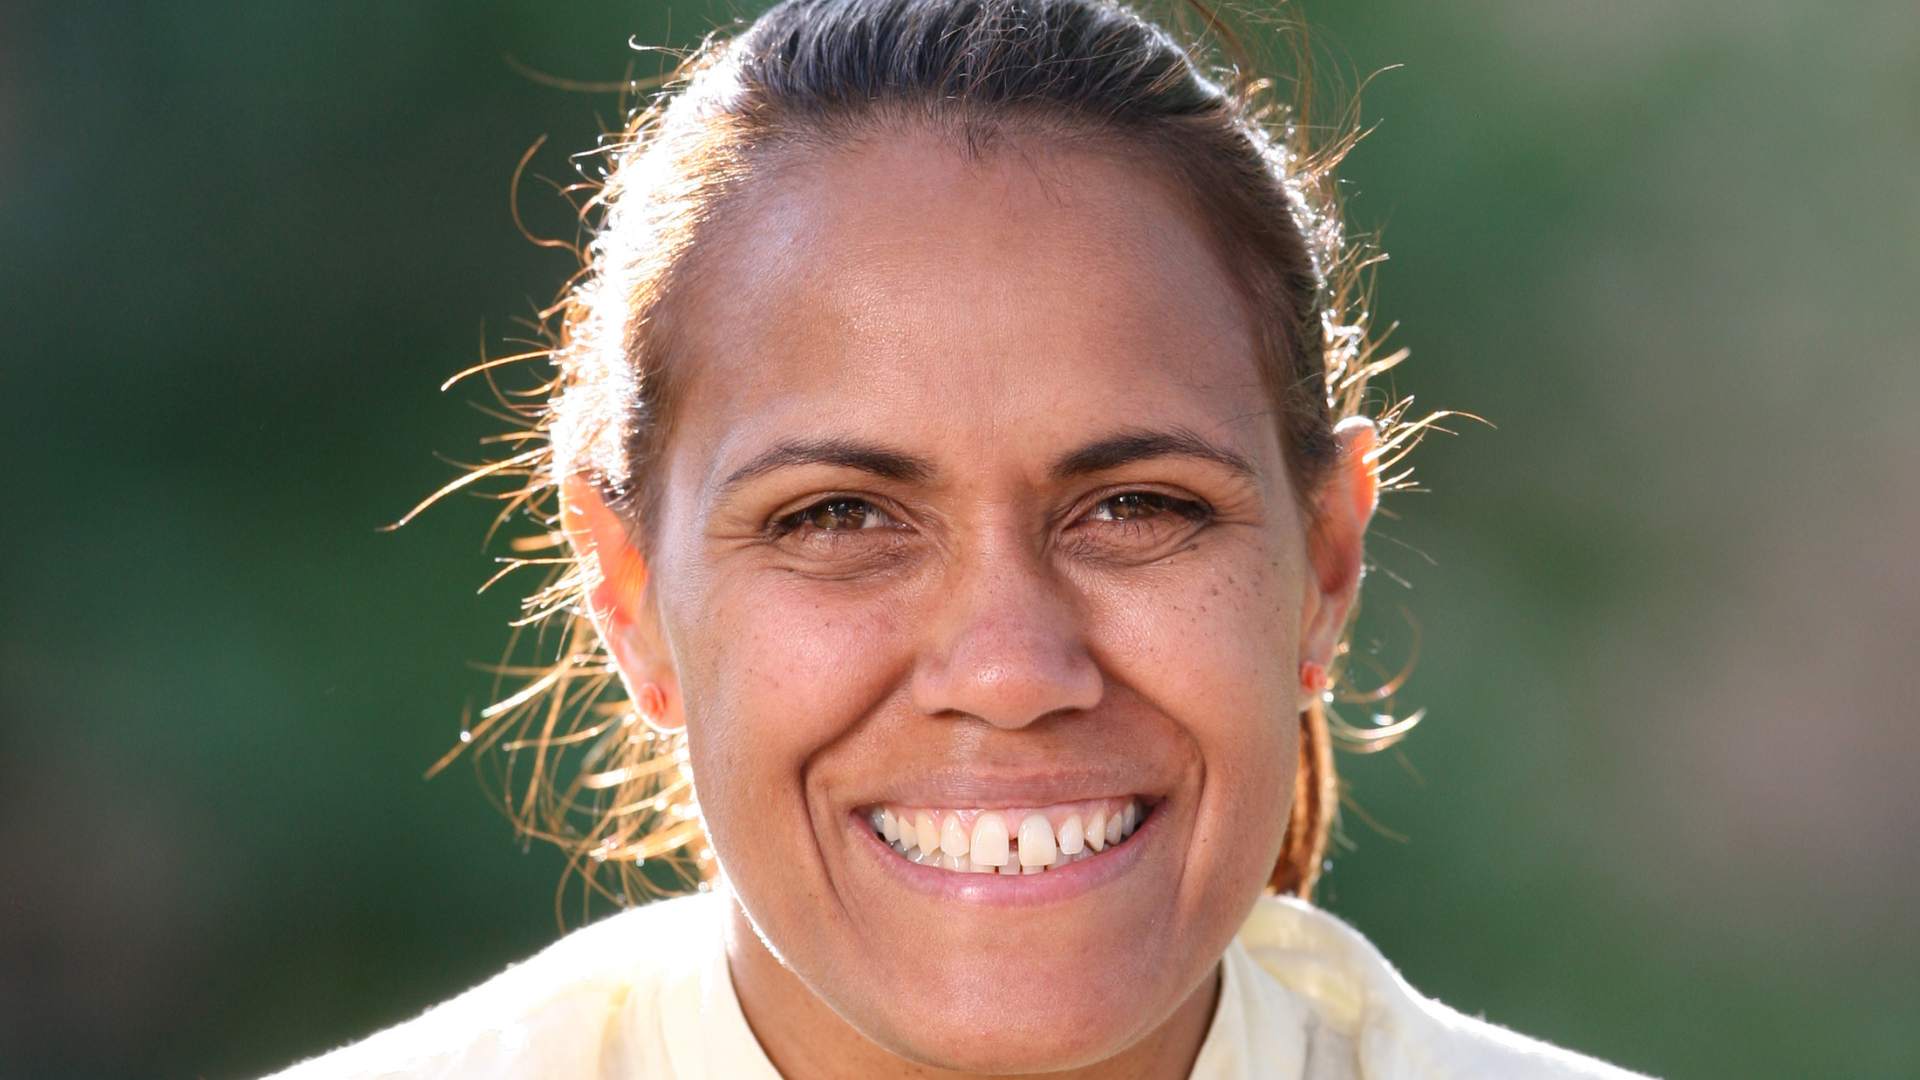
{"x": 1025, "y": 133}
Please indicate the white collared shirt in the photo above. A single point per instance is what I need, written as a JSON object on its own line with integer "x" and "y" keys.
{"x": 646, "y": 994}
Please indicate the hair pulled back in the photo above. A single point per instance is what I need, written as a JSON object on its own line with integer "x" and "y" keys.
{"x": 576, "y": 762}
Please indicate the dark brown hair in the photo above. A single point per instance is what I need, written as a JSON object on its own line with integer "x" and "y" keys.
{"x": 577, "y": 764}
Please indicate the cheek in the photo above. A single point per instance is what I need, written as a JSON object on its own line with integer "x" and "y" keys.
{"x": 1214, "y": 647}
{"x": 773, "y": 672}
{"x": 1211, "y": 644}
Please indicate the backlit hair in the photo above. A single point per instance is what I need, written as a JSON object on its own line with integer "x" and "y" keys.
{"x": 573, "y": 761}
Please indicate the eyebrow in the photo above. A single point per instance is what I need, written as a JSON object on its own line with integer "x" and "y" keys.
{"x": 841, "y": 453}
{"x": 1131, "y": 446}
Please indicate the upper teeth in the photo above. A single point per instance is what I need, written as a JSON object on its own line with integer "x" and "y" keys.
{"x": 1007, "y": 841}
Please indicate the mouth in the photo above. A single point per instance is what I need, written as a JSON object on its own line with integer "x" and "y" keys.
{"x": 1017, "y": 840}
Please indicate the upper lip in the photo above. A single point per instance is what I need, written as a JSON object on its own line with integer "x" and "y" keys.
{"x": 1001, "y": 793}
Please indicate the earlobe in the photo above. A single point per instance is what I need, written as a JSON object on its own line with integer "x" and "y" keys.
{"x": 616, "y": 588}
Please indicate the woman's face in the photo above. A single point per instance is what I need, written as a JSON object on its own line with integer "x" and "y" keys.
{"x": 975, "y": 511}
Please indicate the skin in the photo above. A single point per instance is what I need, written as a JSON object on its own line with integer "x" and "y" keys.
{"x": 974, "y": 499}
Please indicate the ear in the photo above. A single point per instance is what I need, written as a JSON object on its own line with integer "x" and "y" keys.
{"x": 1336, "y": 543}
{"x": 620, "y": 603}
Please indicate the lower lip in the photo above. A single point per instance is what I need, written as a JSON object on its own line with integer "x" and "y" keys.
{"x": 1012, "y": 890}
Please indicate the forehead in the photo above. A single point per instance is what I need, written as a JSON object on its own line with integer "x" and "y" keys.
{"x": 900, "y": 292}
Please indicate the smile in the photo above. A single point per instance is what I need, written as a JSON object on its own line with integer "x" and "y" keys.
{"x": 1007, "y": 841}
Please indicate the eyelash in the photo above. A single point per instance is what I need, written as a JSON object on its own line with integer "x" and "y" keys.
{"x": 1155, "y": 503}
{"x": 798, "y": 520}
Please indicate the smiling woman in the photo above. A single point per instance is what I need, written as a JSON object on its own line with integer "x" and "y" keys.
{"x": 959, "y": 435}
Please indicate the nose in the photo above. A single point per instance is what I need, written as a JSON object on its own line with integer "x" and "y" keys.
{"x": 1006, "y": 642}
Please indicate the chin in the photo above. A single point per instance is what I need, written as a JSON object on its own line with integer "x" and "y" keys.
{"x": 1058, "y": 960}
{"x": 994, "y": 1017}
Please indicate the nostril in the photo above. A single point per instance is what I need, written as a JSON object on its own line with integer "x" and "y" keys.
{"x": 1009, "y": 684}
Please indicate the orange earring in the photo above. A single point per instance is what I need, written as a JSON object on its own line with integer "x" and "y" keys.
{"x": 1313, "y": 678}
{"x": 651, "y": 702}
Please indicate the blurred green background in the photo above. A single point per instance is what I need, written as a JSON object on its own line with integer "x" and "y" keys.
{"x": 1664, "y": 810}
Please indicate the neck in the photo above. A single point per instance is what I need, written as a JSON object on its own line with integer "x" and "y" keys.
{"x": 806, "y": 1040}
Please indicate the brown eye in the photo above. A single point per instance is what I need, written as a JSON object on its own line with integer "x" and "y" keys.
{"x": 1140, "y": 505}
{"x": 840, "y": 515}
